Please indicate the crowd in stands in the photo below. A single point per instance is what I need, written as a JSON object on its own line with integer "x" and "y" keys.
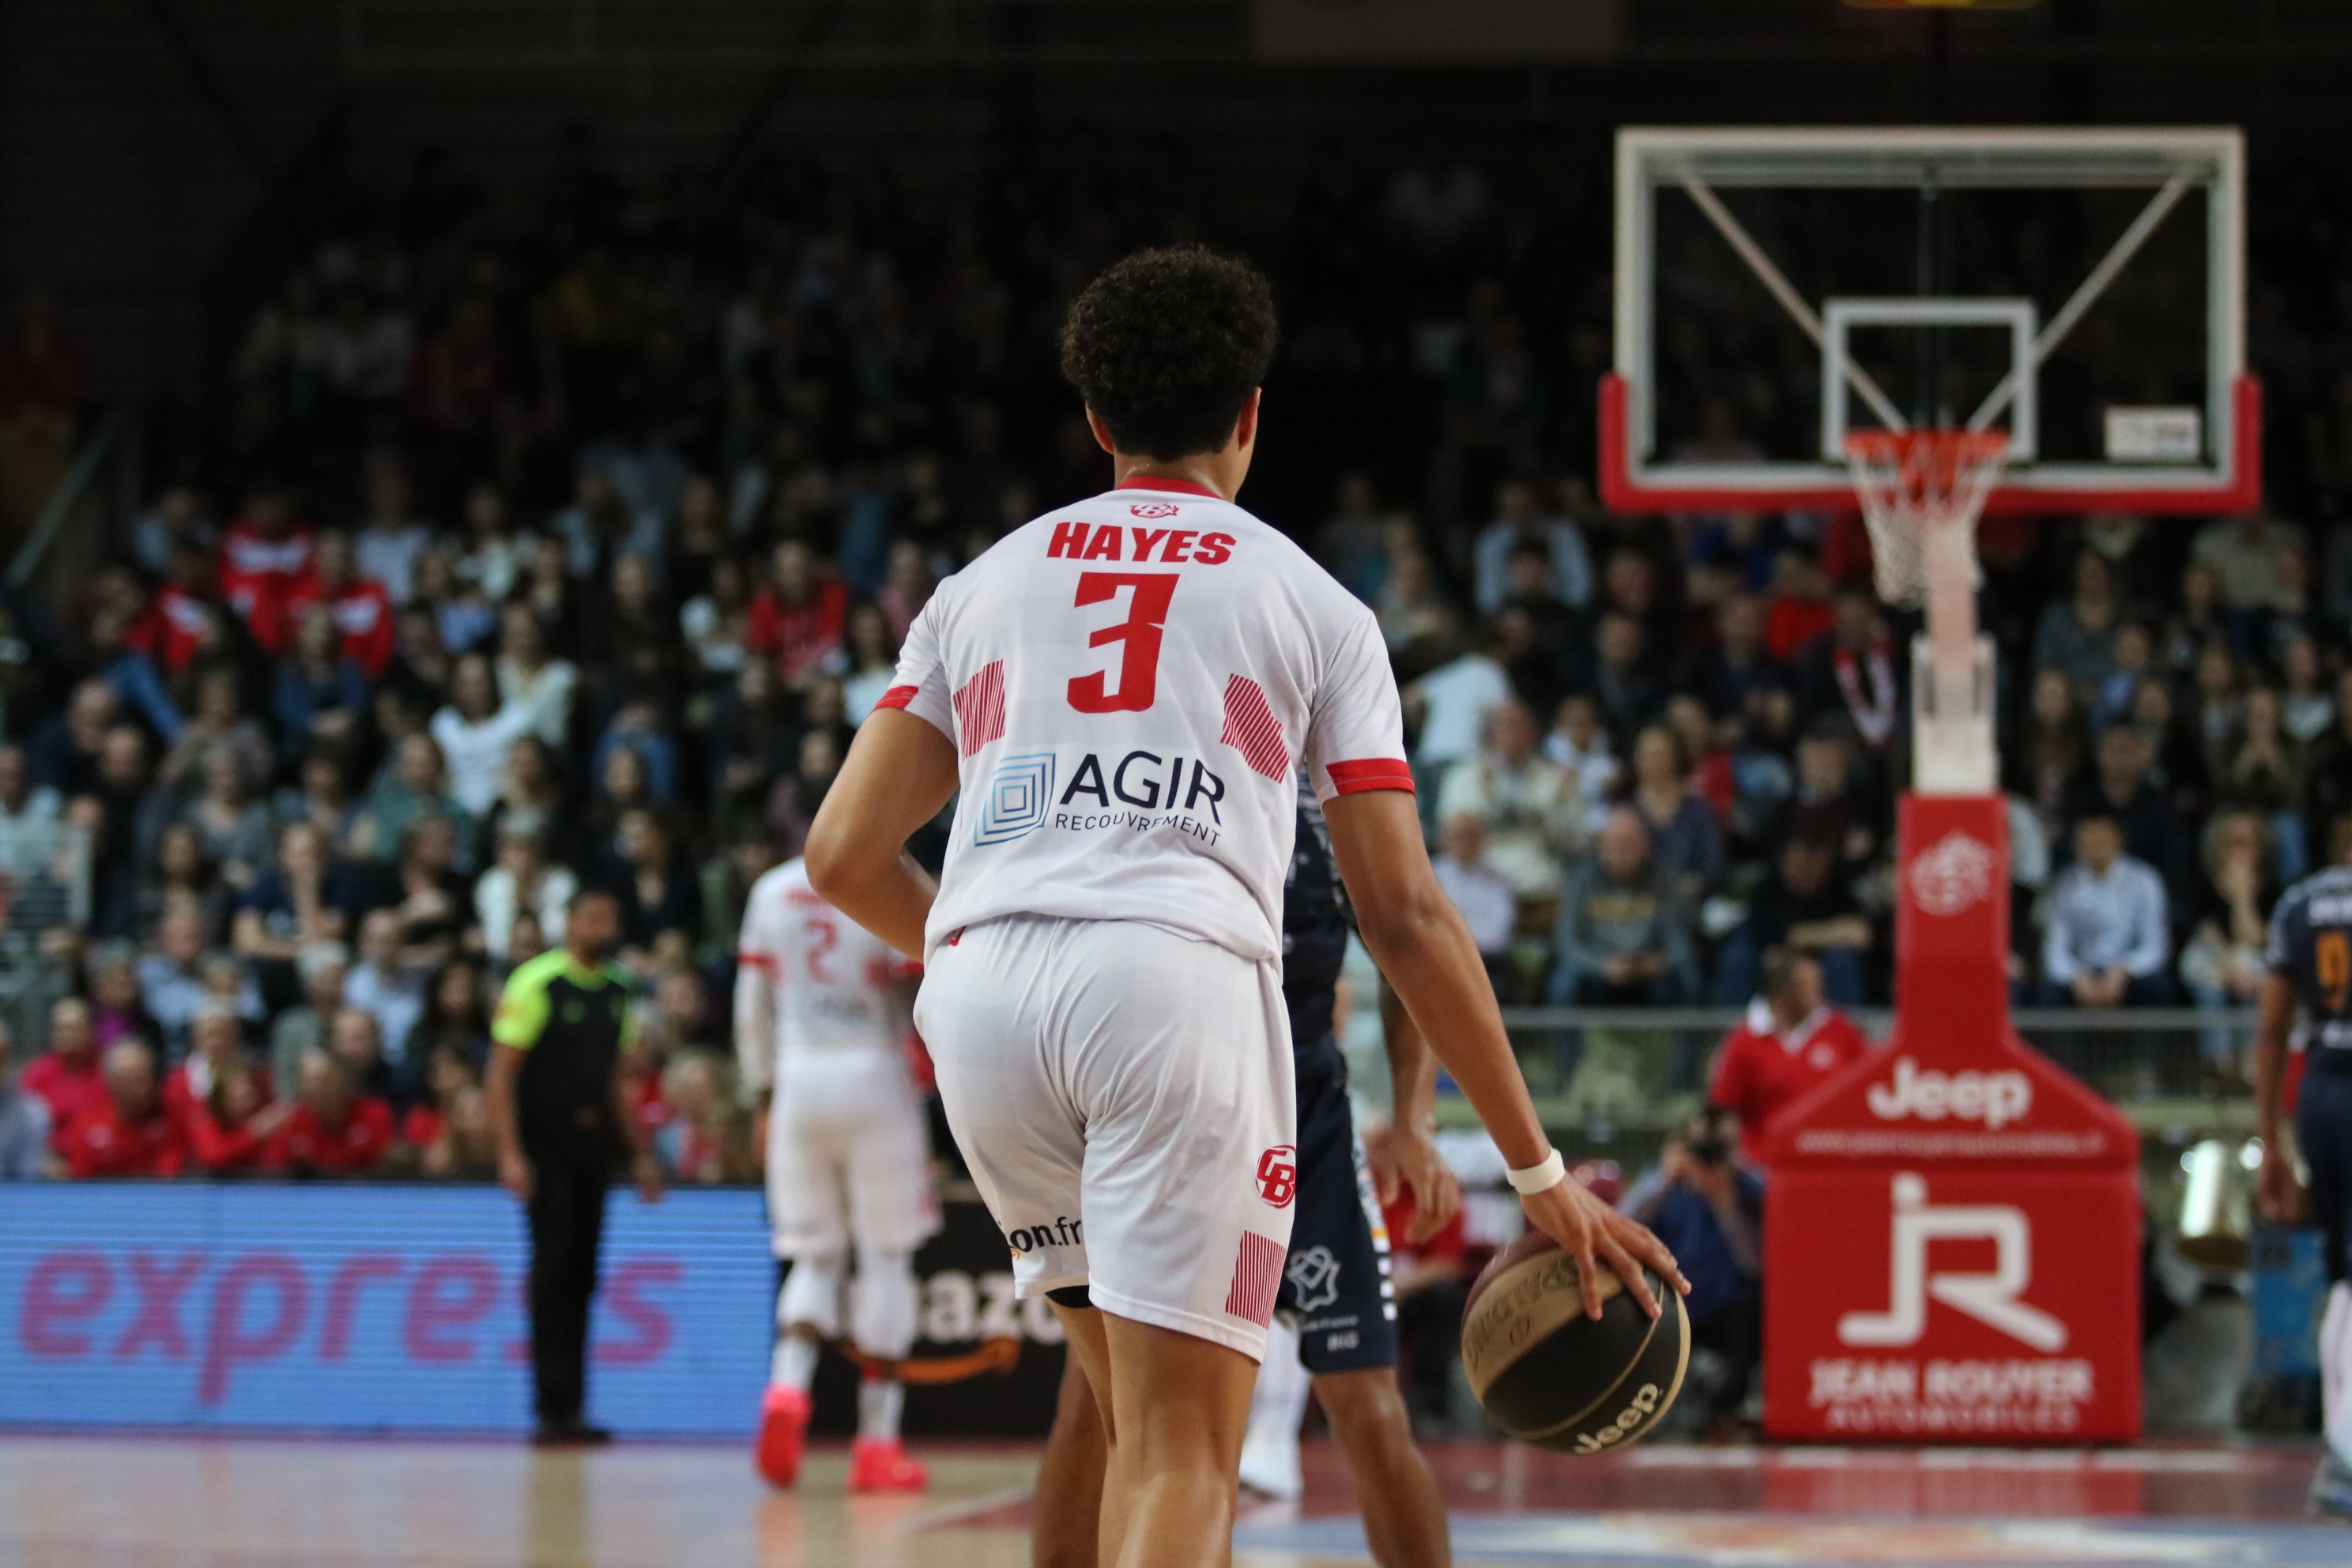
{"x": 567, "y": 543}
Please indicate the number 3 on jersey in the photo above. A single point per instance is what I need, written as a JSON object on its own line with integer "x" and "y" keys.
{"x": 1139, "y": 637}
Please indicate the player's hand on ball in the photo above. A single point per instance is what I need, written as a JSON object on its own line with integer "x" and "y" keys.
{"x": 515, "y": 1176}
{"x": 1593, "y": 1233}
{"x": 2276, "y": 1191}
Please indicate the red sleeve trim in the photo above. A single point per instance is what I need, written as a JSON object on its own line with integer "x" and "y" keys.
{"x": 1371, "y": 773}
{"x": 897, "y": 697}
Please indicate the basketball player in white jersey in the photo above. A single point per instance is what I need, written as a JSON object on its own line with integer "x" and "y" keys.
{"x": 821, "y": 1031}
{"x": 1120, "y": 690}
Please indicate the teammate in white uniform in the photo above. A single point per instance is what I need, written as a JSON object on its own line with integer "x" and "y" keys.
{"x": 821, "y": 1031}
{"x": 1120, "y": 690}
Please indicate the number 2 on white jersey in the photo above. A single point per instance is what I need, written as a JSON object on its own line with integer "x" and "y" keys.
{"x": 824, "y": 936}
{"x": 1139, "y": 637}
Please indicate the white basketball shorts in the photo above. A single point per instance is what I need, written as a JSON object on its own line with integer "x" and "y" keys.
{"x": 849, "y": 1156}
{"x": 1124, "y": 1097}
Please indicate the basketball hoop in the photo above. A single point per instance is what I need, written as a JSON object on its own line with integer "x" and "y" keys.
{"x": 1921, "y": 493}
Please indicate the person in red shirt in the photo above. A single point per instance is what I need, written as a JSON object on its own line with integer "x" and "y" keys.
{"x": 1789, "y": 1041}
{"x": 797, "y": 618}
{"x": 66, "y": 1077}
{"x": 329, "y": 1131}
{"x": 362, "y": 609}
{"x": 229, "y": 1131}
{"x": 127, "y": 1133}
{"x": 267, "y": 561}
{"x": 181, "y": 623}
{"x": 216, "y": 1047}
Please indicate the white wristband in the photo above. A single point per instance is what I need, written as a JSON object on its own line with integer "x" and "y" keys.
{"x": 1538, "y": 1178}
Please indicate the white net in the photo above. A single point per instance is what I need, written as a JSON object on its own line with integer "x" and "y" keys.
{"x": 1921, "y": 493}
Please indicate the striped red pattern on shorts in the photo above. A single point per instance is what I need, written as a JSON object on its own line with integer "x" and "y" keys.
{"x": 1257, "y": 1275}
{"x": 980, "y": 708}
{"x": 1251, "y": 729}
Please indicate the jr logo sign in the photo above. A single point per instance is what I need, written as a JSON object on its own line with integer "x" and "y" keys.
{"x": 1989, "y": 1298}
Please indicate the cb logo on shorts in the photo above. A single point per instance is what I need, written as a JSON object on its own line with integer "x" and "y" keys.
{"x": 1278, "y": 1175}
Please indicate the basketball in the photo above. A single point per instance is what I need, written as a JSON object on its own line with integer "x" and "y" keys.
{"x": 1550, "y": 1375}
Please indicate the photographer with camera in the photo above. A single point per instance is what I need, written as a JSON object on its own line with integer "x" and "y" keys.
{"x": 1710, "y": 1211}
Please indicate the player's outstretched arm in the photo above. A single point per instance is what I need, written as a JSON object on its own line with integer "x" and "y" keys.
{"x": 900, "y": 770}
{"x": 1418, "y": 940}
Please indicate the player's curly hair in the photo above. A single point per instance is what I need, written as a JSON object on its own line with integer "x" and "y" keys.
{"x": 1166, "y": 345}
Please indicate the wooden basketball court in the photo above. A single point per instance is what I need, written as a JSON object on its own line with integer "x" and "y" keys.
{"x": 173, "y": 1502}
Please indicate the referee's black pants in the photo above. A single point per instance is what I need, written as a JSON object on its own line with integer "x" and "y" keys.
{"x": 567, "y": 1227}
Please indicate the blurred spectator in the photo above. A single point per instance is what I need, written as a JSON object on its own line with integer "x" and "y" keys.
{"x": 1482, "y": 894}
{"x": 474, "y": 732}
{"x": 1710, "y": 1213}
{"x": 693, "y": 1144}
{"x": 1625, "y": 677}
{"x": 2107, "y": 944}
{"x": 29, "y": 813}
{"x": 2076, "y": 635}
{"x": 415, "y": 782}
{"x": 1792, "y": 1039}
{"x": 215, "y": 1044}
{"x": 1452, "y": 703}
{"x": 1578, "y": 743}
{"x": 67, "y": 1076}
{"x": 1530, "y": 808}
{"x": 265, "y": 562}
{"x": 1806, "y": 905}
{"x": 1519, "y": 520}
{"x": 116, "y": 1009}
{"x": 229, "y": 1131}
{"x": 2264, "y": 774}
{"x": 872, "y": 662}
{"x": 388, "y": 981}
{"x": 331, "y": 1129}
{"x": 2119, "y": 789}
{"x": 127, "y": 1132}
{"x": 23, "y": 1122}
{"x": 360, "y": 606}
{"x": 1623, "y": 938}
{"x": 796, "y": 619}
{"x": 390, "y": 539}
{"x": 124, "y": 814}
{"x": 232, "y": 828}
{"x": 323, "y": 967}
{"x": 656, "y": 892}
{"x": 2244, "y": 553}
{"x": 521, "y": 880}
{"x": 357, "y": 1045}
{"x": 449, "y": 1128}
{"x": 305, "y": 896}
{"x": 1352, "y": 543}
{"x": 455, "y": 1020}
{"x": 537, "y": 684}
{"x": 1855, "y": 671}
{"x": 2222, "y": 966}
{"x": 1686, "y": 842}
{"x": 318, "y": 691}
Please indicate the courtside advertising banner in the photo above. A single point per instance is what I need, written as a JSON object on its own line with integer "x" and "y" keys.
{"x": 385, "y": 1307}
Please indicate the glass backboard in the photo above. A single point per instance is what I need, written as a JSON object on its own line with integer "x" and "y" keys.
{"x": 2080, "y": 291}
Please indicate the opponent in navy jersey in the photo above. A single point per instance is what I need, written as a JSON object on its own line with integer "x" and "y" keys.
{"x": 2310, "y": 964}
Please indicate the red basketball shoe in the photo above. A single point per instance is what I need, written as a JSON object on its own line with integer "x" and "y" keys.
{"x": 783, "y": 1421}
{"x": 880, "y": 1464}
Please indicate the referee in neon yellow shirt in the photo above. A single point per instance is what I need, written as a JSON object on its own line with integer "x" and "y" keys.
{"x": 562, "y": 1119}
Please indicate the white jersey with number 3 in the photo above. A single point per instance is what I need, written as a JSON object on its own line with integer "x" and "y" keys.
{"x": 1130, "y": 682}
{"x": 810, "y": 982}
